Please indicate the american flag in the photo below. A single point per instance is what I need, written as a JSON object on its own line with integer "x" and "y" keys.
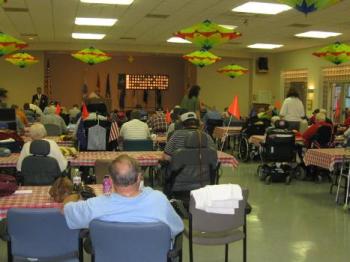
{"x": 48, "y": 83}
{"x": 114, "y": 134}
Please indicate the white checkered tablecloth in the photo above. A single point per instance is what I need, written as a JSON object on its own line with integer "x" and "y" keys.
{"x": 220, "y": 131}
{"x": 38, "y": 198}
{"x": 325, "y": 157}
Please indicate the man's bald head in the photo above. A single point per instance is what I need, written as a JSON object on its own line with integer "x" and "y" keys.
{"x": 124, "y": 171}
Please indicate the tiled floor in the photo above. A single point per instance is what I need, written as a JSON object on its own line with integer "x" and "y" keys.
{"x": 294, "y": 223}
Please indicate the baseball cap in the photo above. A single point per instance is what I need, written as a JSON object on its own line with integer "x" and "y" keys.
{"x": 187, "y": 116}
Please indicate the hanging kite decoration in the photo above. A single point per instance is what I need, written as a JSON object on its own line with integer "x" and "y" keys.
{"x": 336, "y": 53}
{"x": 206, "y": 35}
{"x": 2, "y": 2}
{"x": 233, "y": 70}
{"x": 202, "y": 58}
{"x": 308, "y": 6}
{"x": 9, "y": 44}
{"x": 91, "y": 56}
{"x": 22, "y": 60}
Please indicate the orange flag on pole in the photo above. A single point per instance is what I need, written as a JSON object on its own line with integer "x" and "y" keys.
{"x": 84, "y": 112}
{"x": 278, "y": 104}
{"x": 58, "y": 109}
{"x": 167, "y": 117}
{"x": 234, "y": 108}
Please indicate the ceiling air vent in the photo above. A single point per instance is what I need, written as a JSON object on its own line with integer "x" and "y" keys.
{"x": 157, "y": 16}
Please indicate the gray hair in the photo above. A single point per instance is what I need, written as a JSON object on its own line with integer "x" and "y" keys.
{"x": 128, "y": 177}
{"x": 37, "y": 131}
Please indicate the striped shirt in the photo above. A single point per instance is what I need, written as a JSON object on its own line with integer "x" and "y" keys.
{"x": 177, "y": 141}
{"x": 135, "y": 129}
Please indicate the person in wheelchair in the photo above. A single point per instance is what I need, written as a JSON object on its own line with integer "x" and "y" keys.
{"x": 319, "y": 134}
{"x": 278, "y": 153}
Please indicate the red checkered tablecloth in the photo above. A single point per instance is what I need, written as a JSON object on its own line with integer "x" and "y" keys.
{"x": 38, "y": 198}
{"x": 325, "y": 157}
{"x": 9, "y": 161}
{"x": 257, "y": 140}
{"x": 220, "y": 131}
{"x": 57, "y": 139}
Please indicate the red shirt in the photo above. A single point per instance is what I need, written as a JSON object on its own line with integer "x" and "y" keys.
{"x": 347, "y": 122}
{"x": 312, "y": 130}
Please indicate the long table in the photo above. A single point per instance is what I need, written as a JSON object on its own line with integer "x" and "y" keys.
{"x": 221, "y": 131}
{"x": 146, "y": 158}
{"x": 57, "y": 139}
{"x": 326, "y": 158}
{"x": 38, "y": 198}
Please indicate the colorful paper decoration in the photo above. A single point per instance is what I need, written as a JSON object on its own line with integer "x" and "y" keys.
{"x": 206, "y": 35}
{"x": 9, "y": 44}
{"x": 21, "y": 59}
{"x": 91, "y": 56}
{"x": 202, "y": 58}
{"x": 2, "y": 2}
{"x": 308, "y": 6}
{"x": 336, "y": 53}
{"x": 233, "y": 70}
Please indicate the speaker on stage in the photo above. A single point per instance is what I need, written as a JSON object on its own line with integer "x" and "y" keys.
{"x": 262, "y": 65}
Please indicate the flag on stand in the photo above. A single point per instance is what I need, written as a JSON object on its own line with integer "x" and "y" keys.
{"x": 108, "y": 88}
{"x": 234, "y": 108}
{"x": 84, "y": 112}
{"x": 114, "y": 133}
{"x": 58, "y": 109}
{"x": 48, "y": 83}
{"x": 167, "y": 117}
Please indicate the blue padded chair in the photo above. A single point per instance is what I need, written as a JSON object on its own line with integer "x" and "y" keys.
{"x": 138, "y": 145}
{"x": 42, "y": 234}
{"x": 146, "y": 242}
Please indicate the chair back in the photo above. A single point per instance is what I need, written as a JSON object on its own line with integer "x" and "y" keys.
{"x": 323, "y": 137}
{"x": 279, "y": 146}
{"x": 194, "y": 166}
{"x": 211, "y": 222}
{"x": 41, "y": 233}
{"x": 146, "y": 242}
{"x": 39, "y": 168}
{"x": 138, "y": 145}
{"x": 101, "y": 169}
{"x": 53, "y": 130}
{"x": 102, "y": 123}
{"x": 211, "y": 124}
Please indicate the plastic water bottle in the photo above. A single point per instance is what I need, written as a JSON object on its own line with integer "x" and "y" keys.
{"x": 76, "y": 180}
{"x": 107, "y": 185}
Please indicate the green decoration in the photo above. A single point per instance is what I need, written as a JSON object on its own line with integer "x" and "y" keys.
{"x": 22, "y": 59}
{"x": 336, "y": 53}
{"x": 91, "y": 56}
{"x": 233, "y": 70}
{"x": 206, "y": 35}
{"x": 202, "y": 58}
{"x": 9, "y": 44}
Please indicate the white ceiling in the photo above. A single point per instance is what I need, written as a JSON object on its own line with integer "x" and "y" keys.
{"x": 53, "y": 22}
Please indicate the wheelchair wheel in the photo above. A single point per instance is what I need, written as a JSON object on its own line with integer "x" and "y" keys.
{"x": 300, "y": 173}
{"x": 243, "y": 149}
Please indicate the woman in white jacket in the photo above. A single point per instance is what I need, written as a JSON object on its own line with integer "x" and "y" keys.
{"x": 292, "y": 109}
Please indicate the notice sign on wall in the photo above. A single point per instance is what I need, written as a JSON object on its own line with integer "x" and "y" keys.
{"x": 147, "y": 82}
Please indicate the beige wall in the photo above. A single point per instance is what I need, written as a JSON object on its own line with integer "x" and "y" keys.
{"x": 68, "y": 77}
{"x": 21, "y": 83}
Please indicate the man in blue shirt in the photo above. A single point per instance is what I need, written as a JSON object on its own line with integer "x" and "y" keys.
{"x": 128, "y": 203}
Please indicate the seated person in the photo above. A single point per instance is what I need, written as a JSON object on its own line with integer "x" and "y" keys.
{"x": 177, "y": 140}
{"x": 20, "y": 115}
{"x": 38, "y": 132}
{"x": 52, "y": 118}
{"x": 229, "y": 119}
{"x": 30, "y": 114}
{"x": 212, "y": 114}
{"x": 312, "y": 119}
{"x": 312, "y": 130}
{"x": 135, "y": 128}
{"x": 157, "y": 122}
{"x": 127, "y": 203}
{"x": 274, "y": 119}
{"x": 74, "y": 112}
{"x": 266, "y": 114}
{"x": 143, "y": 112}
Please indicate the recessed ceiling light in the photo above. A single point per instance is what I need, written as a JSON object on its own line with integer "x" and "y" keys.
{"x": 179, "y": 40}
{"x": 264, "y": 46}
{"x": 317, "y": 34}
{"x": 108, "y": 2}
{"x": 88, "y": 36}
{"x": 229, "y": 26}
{"x": 261, "y": 8}
{"x": 95, "y": 21}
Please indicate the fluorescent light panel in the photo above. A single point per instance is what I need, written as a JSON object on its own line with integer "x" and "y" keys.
{"x": 178, "y": 40}
{"x": 317, "y": 34}
{"x": 95, "y": 21}
{"x": 261, "y": 8}
{"x": 229, "y": 26}
{"x": 264, "y": 46}
{"x": 88, "y": 36}
{"x": 108, "y": 2}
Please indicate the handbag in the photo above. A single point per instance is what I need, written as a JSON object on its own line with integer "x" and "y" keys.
{"x": 8, "y": 185}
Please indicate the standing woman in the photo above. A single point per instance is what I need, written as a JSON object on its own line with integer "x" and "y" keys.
{"x": 292, "y": 109}
{"x": 191, "y": 101}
